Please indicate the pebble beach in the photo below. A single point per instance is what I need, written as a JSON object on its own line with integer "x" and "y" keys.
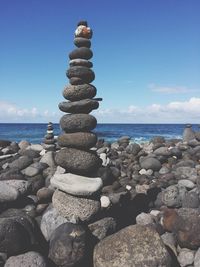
{"x": 78, "y": 200}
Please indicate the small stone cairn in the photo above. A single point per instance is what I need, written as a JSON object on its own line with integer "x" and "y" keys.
{"x": 77, "y": 194}
{"x": 49, "y": 140}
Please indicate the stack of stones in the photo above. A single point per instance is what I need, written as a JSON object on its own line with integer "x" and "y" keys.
{"x": 77, "y": 194}
{"x": 49, "y": 141}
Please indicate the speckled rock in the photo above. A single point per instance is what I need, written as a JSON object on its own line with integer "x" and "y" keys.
{"x": 78, "y": 122}
{"x": 151, "y": 163}
{"x": 132, "y": 246}
{"x": 78, "y": 161}
{"x": 80, "y": 62}
{"x": 173, "y": 195}
{"x": 85, "y": 74}
{"x": 76, "y": 185}
{"x": 81, "y": 140}
{"x": 79, "y": 92}
{"x": 77, "y": 208}
{"x": 31, "y": 258}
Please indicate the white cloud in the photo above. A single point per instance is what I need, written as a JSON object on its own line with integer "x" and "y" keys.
{"x": 10, "y": 112}
{"x": 171, "y": 89}
{"x": 173, "y": 112}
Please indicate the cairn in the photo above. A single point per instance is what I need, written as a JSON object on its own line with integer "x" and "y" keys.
{"x": 76, "y": 197}
{"x": 49, "y": 141}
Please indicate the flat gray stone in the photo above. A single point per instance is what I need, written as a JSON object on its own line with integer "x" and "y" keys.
{"x": 77, "y": 208}
{"x": 76, "y": 185}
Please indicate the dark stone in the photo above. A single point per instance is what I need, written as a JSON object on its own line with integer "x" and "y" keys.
{"x": 85, "y": 74}
{"x": 82, "y": 22}
{"x": 80, "y": 62}
{"x": 104, "y": 227}
{"x": 49, "y": 141}
{"x": 4, "y": 143}
{"x": 79, "y": 92}
{"x": 133, "y": 149}
{"x": 82, "y": 52}
{"x": 29, "y": 153}
{"x": 21, "y": 163}
{"x": 82, "y": 106}
{"x": 76, "y": 81}
{"x": 151, "y": 163}
{"x": 82, "y": 42}
{"x": 68, "y": 245}
{"x": 11, "y": 174}
{"x": 36, "y": 182}
{"x": 158, "y": 139}
{"x": 14, "y": 239}
{"x": 78, "y": 161}
{"x": 106, "y": 175}
{"x": 77, "y": 122}
{"x": 77, "y": 140}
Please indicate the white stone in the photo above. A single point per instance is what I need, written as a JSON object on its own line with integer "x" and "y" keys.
{"x": 186, "y": 183}
{"x": 186, "y": 257}
{"x": 155, "y": 212}
{"x": 142, "y": 188}
{"x": 105, "y": 159}
{"x": 11, "y": 190}
{"x": 60, "y": 170}
{"x": 42, "y": 152}
{"x": 148, "y": 172}
{"x": 144, "y": 218}
{"x": 128, "y": 187}
{"x": 105, "y": 201}
{"x": 48, "y": 158}
{"x": 76, "y": 184}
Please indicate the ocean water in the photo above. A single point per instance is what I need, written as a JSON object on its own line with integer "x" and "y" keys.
{"x": 34, "y": 132}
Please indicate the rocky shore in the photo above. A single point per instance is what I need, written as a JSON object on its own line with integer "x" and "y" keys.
{"x": 142, "y": 209}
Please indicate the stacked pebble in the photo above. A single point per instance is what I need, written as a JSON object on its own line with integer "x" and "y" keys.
{"x": 49, "y": 141}
{"x": 79, "y": 185}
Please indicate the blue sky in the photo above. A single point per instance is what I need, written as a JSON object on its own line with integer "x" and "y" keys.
{"x": 146, "y": 58}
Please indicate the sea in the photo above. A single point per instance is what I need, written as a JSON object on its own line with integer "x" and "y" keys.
{"x": 34, "y": 132}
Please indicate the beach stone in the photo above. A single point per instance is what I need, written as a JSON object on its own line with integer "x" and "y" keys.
{"x": 77, "y": 208}
{"x": 31, "y": 258}
{"x": 151, "y": 163}
{"x": 36, "y": 182}
{"x": 68, "y": 245}
{"x": 105, "y": 202}
{"x": 158, "y": 140}
{"x": 36, "y": 147}
{"x": 81, "y": 52}
{"x": 78, "y": 161}
{"x": 50, "y": 221}
{"x": 4, "y": 143}
{"x": 48, "y": 159}
{"x": 11, "y": 190}
{"x": 80, "y": 62}
{"x": 133, "y": 246}
{"x": 85, "y": 74}
{"x": 173, "y": 195}
{"x": 191, "y": 200}
{"x": 187, "y": 183}
{"x": 186, "y": 257}
{"x": 82, "y": 42}
{"x": 29, "y": 153}
{"x": 82, "y": 106}
{"x": 79, "y": 92}
{"x": 44, "y": 195}
{"x": 83, "y": 31}
{"x": 133, "y": 149}
{"x": 34, "y": 169}
{"x": 186, "y": 173}
{"x": 23, "y": 144}
{"x": 188, "y": 134}
{"x": 14, "y": 238}
{"x": 21, "y": 163}
{"x": 81, "y": 140}
{"x": 197, "y": 136}
{"x": 76, "y": 185}
{"x": 144, "y": 219}
{"x": 102, "y": 228}
{"x": 184, "y": 223}
{"x": 197, "y": 258}
{"x": 162, "y": 151}
{"x": 78, "y": 122}
{"x": 76, "y": 81}
{"x": 11, "y": 174}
